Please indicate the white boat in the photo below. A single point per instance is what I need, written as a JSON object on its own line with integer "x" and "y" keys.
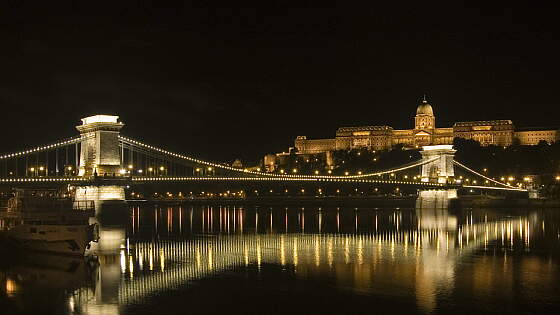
{"x": 31, "y": 222}
{"x": 61, "y": 239}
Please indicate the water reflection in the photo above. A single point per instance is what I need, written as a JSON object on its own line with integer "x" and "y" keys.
{"x": 429, "y": 257}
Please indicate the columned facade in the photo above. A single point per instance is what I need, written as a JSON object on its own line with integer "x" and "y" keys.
{"x": 425, "y": 132}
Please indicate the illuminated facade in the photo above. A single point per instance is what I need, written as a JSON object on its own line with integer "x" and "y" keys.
{"x": 100, "y": 151}
{"x": 425, "y": 132}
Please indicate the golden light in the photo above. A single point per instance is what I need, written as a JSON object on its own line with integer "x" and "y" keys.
{"x": 329, "y": 171}
{"x": 360, "y": 173}
{"x": 32, "y": 169}
{"x": 11, "y": 286}
{"x": 41, "y": 168}
{"x": 130, "y": 166}
{"x": 316, "y": 172}
{"x": 510, "y": 178}
{"x": 485, "y": 170}
{"x": 302, "y": 190}
{"x": 526, "y": 179}
{"x": 405, "y": 176}
{"x": 281, "y": 171}
{"x": 294, "y": 170}
{"x": 151, "y": 169}
{"x": 209, "y": 168}
{"x": 557, "y": 177}
{"x": 161, "y": 168}
{"x": 346, "y": 173}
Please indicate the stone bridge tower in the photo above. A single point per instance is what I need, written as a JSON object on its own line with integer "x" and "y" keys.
{"x": 441, "y": 169}
{"x": 100, "y": 152}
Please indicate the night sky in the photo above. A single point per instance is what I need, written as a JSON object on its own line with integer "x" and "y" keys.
{"x": 238, "y": 82}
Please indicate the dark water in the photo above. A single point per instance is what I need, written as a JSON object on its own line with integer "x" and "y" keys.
{"x": 178, "y": 260}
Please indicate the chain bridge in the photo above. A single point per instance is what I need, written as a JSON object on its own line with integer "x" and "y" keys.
{"x": 101, "y": 160}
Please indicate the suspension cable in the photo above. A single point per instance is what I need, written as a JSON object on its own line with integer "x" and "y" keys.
{"x": 485, "y": 177}
{"x": 132, "y": 142}
{"x": 55, "y": 145}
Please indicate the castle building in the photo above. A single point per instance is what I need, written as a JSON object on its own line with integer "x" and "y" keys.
{"x": 425, "y": 132}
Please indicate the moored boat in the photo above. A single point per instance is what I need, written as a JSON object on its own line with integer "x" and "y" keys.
{"x": 61, "y": 239}
{"x": 33, "y": 221}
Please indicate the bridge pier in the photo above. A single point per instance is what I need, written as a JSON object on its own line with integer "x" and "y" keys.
{"x": 103, "y": 196}
{"x": 435, "y": 199}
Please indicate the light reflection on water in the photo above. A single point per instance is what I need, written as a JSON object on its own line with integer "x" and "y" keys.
{"x": 437, "y": 260}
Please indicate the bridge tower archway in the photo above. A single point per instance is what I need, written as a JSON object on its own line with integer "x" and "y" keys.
{"x": 100, "y": 153}
{"x": 440, "y": 168}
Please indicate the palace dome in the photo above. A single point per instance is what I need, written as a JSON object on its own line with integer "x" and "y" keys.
{"x": 425, "y": 109}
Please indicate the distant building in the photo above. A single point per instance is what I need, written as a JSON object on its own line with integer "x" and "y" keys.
{"x": 425, "y": 132}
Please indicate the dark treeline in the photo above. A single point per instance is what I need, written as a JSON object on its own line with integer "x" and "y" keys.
{"x": 516, "y": 160}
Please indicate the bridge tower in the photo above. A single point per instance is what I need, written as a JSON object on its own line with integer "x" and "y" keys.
{"x": 100, "y": 152}
{"x": 441, "y": 168}
{"x": 100, "y": 155}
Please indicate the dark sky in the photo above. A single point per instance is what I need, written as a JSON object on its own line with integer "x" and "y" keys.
{"x": 222, "y": 83}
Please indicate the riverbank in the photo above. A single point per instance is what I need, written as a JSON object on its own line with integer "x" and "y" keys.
{"x": 484, "y": 202}
{"x": 366, "y": 201}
